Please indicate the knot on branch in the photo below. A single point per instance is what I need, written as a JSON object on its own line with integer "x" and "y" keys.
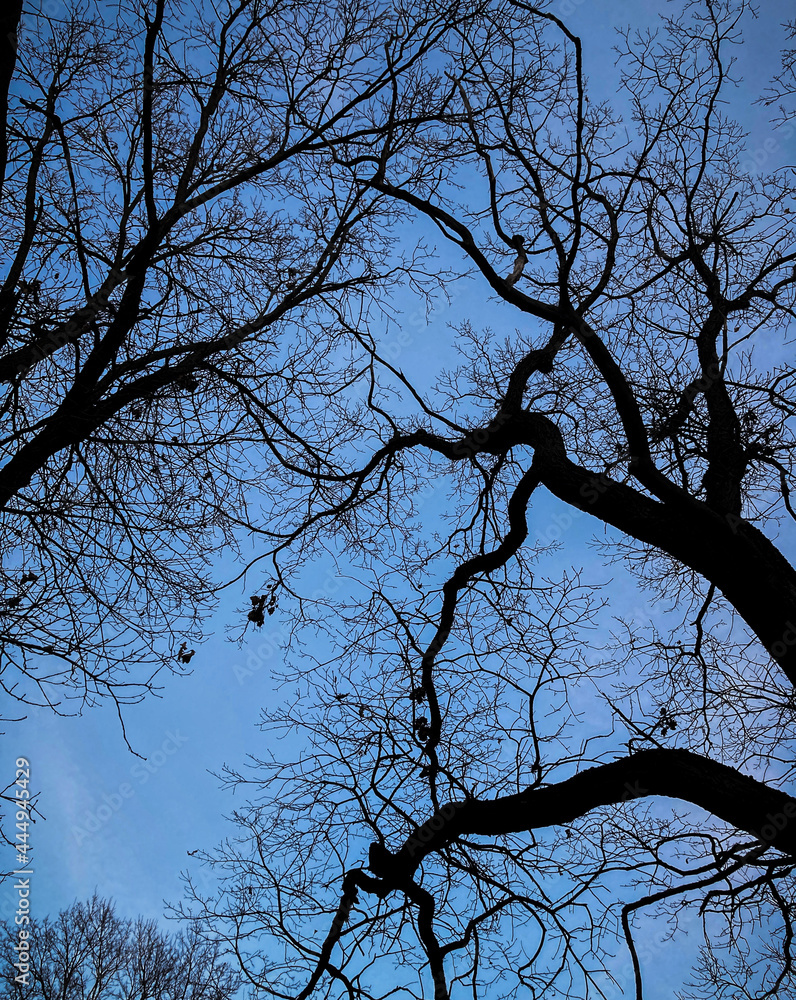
{"x": 381, "y": 861}
{"x": 519, "y": 265}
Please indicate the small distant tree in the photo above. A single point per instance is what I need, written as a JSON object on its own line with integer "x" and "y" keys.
{"x": 89, "y": 953}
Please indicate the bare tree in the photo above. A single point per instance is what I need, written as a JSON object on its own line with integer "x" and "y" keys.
{"x": 89, "y": 953}
{"x": 183, "y": 254}
{"x": 482, "y": 795}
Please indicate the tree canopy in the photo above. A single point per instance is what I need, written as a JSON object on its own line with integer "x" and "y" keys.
{"x": 183, "y": 256}
{"x": 493, "y": 779}
{"x": 87, "y": 952}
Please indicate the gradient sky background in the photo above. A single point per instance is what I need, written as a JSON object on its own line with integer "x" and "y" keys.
{"x": 151, "y": 813}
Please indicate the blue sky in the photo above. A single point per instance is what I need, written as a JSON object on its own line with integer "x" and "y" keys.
{"x": 122, "y": 825}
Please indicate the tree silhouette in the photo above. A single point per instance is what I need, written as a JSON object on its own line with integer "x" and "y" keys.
{"x": 87, "y": 951}
{"x": 488, "y": 785}
{"x": 210, "y": 237}
{"x": 182, "y": 256}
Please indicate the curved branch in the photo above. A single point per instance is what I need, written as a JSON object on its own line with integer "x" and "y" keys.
{"x": 744, "y": 802}
{"x": 484, "y": 562}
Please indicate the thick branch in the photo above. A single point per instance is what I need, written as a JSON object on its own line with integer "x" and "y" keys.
{"x": 726, "y": 458}
{"x": 9, "y": 25}
{"x": 741, "y": 801}
{"x": 750, "y": 571}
